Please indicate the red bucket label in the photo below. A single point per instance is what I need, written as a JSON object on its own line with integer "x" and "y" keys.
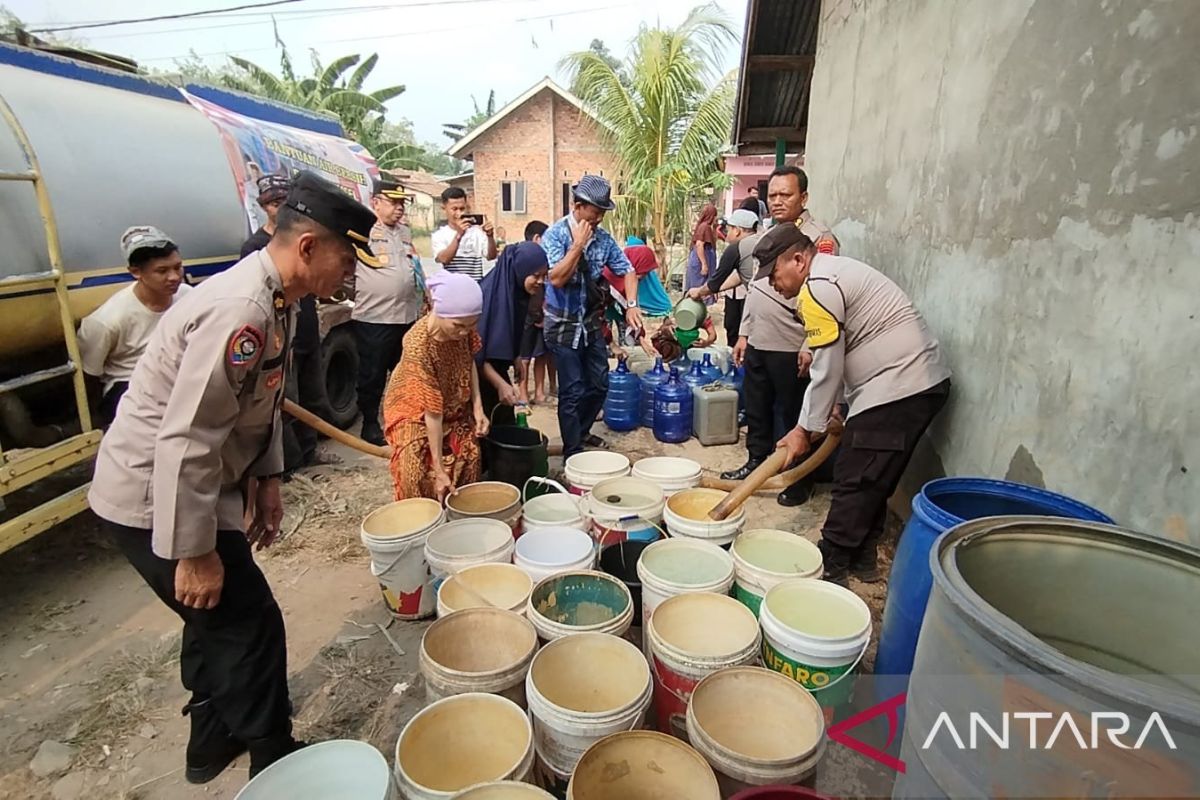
{"x": 672, "y": 692}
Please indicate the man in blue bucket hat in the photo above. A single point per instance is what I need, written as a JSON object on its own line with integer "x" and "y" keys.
{"x": 578, "y": 250}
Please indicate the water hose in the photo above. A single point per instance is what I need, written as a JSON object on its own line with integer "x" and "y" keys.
{"x": 761, "y": 478}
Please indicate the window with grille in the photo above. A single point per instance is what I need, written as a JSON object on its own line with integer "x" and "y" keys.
{"x": 512, "y": 197}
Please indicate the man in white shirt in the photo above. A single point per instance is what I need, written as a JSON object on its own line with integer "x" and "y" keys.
{"x": 387, "y": 301}
{"x": 462, "y": 244}
{"x": 113, "y": 337}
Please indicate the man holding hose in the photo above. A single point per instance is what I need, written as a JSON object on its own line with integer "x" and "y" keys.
{"x": 868, "y": 340}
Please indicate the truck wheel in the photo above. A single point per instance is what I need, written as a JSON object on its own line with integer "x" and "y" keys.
{"x": 339, "y": 366}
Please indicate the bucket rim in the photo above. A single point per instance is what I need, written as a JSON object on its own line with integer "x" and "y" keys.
{"x": 645, "y": 467}
{"x": 620, "y": 462}
{"x": 596, "y": 505}
{"x": 590, "y": 573}
{"x": 308, "y": 752}
{"x": 657, "y": 641}
{"x": 438, "y": 518}
{"x": 648, "y": 737}
{"x": 792, "y": 538}
{"x": 557, "y": 532}
{"x": 457, "y": 617}
{"x": 481, "y": 485}
{"x": 478, "y": 789}
{"x": 820, "y": 587}
{"x": 926, "y": 507}
{"x": 581, "y": 640}
{"x": 680, "y": 543}
{"x": 500, "y": 528}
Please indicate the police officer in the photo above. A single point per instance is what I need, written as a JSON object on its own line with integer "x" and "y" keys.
{"x": 200, "y": 419}
{"x": 866, "y": 335}
{"x": 387, "y": 301}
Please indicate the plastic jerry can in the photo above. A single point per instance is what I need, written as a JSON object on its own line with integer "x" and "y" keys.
{"x": 715, "y": 414}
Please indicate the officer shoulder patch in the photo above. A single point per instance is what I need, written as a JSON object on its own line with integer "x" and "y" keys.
{"x": 245, "y": 346}
{"x": 821, "y": 328}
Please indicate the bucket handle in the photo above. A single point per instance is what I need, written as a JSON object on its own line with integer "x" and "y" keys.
{"x": 544, "y": 482}
{"x": 850, "y": 671}
{"x": 395, "y": 561}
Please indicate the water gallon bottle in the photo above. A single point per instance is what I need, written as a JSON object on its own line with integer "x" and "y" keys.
{"x": 710, "y": 371}
{"x": 695, "y": 376}
{"x": 651, "y": 381}
{"x": 673, "y": 406}
{"x": 622, "y": 404}
{"x": 736, "y": 380}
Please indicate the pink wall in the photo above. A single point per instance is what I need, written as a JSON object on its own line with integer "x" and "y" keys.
{"x": 747, "y": 171}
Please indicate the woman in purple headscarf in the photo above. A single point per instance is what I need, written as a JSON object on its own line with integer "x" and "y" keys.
{"x": 432, "y": 411}
{"x": 518, "y": 273}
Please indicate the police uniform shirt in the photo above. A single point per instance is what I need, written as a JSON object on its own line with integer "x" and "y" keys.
{"x": 864, "y": 332}
{"x": 201, "y": 413}
{"x": 387, "y": 294}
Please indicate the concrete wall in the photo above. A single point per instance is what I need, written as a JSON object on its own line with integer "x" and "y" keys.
{"x": 1030, "y": 172}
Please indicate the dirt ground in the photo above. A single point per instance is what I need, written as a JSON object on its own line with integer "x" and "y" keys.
{"x": 88, "y": 656}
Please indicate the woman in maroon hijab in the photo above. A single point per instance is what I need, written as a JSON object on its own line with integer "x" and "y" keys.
{"x": 703, "y": 256}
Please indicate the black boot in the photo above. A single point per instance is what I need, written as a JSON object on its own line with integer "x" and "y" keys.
{"x": 266, "y": 752}
{"x": 371, "y": 432}
{"x": 210, "y": 747}
{"x": 795, "y": 495}
{"x": 836, "y": 563}
{"x": 742, "y": 472}
{"x": 864, "y": 564}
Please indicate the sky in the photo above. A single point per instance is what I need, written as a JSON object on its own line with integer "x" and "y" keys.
{"x": 443, "y": 51}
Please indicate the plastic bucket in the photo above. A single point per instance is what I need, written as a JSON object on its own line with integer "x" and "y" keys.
{"x": 580, "y": 602}
{"x": 680, "y": 566}
{"x": 488, "y": 499}
{"x": 461, "y": 741}
{"x": 581, "y": 689}
{"x": 691, "y": 636}
{"x": 620, "y": 560}
{"x": 642, "y": 765}
{"x": 670, "y": 473}
{"x": 395, "y": 536}
{"x": 625, "y": 508}
{"x": 939, "y": 506}
{"x": 514, "y": 454}
{"x": 686, "y": 515}
{"x": 337, "y": 770}
{"x": 478, "y": 650}
{"x": 780, "y": 793}
{"x": 485, "y": 586}
{"x": 549, "y": 551}
{"x": 504, "y": 790}
{"x": 815, "y": 633}
{"x": 765, "y": 558}
{"x": 690, "y": 314}
{"x": 553, "y": 510}
{"x": 585, "y": 470}
{"x": 755, "y": 728}
{"x": 454, "y": 546}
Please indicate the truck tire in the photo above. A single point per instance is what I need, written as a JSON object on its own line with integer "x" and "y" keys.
{"x": 339, "y": 366}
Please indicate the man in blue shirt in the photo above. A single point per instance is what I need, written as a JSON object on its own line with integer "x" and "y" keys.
{"x": 578, "y": 250}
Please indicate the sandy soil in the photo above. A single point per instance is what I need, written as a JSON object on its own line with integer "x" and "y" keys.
{"x": 88, "y": 655}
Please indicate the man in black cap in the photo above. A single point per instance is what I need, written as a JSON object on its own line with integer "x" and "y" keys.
{"x": 868, "y": 338}
{"x": 272, "y": 191}
{"x": 173, "y": 476}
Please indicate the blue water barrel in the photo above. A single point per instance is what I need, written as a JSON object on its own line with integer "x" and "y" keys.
{"x": 622, "y": 404}
{"x": 651, "y": 381}
{"x": 940, "y": 505}
{"x": 673, "y": 407}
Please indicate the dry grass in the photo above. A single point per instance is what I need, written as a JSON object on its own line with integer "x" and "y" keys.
{"x": 324, "y": 508}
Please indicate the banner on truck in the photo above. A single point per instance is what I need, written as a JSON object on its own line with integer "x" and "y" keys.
{"x": 256, "y": 148}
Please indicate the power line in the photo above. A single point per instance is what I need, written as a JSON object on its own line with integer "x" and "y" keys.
{"x": 185, "y": 15}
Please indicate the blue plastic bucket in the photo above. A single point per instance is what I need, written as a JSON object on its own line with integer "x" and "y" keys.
{"x": 939, "y": 506}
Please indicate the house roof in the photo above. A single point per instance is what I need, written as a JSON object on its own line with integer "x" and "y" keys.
{"x": 778, "y": 51}
{"x": 466, "y": 176}
{"x": 462, "y": 148}
{"x": 424, "y": 182}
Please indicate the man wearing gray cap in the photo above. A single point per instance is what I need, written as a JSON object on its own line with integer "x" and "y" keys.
{"x": 734, "y": 271}
{"x": 113, "y": 337}
{"x": 867, "y": 338}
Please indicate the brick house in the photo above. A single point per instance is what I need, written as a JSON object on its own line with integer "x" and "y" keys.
{"x": 528, "y": 155}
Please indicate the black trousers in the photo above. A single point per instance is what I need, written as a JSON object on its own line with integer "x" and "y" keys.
{"x": 305, "y": 386}
{"x": 733, "y": 319}
{"x": 875, "y": 450}
{"x": 233, "y": 658}
{"x": 380, "y": 346}
{"x": 108, "y": 403}
{"x": 774, "y": 394}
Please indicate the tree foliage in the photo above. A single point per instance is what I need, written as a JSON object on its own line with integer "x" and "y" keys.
{"x": 457, "y": 130}
{"x": 666, "y": 113}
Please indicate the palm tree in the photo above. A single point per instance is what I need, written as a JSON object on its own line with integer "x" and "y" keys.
{"x": 666, "y": 113}
{"x": 457, "y": 130}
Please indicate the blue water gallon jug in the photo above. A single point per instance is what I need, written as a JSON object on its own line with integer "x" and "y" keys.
{"x": 710, "y": 371}
{"x": 695, "y": 376}
{"x": 622, "y": 404}
{"x": 735, "y": 379}
{"x": 673, "y": 410}
{"x": 651, "y": 381}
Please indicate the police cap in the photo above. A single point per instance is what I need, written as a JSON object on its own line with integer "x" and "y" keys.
{"x": 776, "y": 242}
{"x": 321, "y": 201}
{"x": 392, "y": 190}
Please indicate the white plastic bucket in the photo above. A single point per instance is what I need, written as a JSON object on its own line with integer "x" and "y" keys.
{"x": 504, "y": 790}
{"x": 478, "y": 650}
{"x": 815, "y": 633}
{"x": 487, "y": 499}
{"x": 549, "y": 551}
{"x": 485, "y": 586}
{"x": 762, "y": 559}
{"x": 686, "y": 516}
{"x": 454, "y": 546}
{"x": 680, "y": 566}
{"x": 642, "y": 765}
{"x": 563, "y": 510}
{"x": 395, "y": 535}
{"x": 756, "y": 728}
{"x": 580, "y": 602}
{"x": 462, "y": 741}
{"x": 580, "y": 689}
{"x": 341, "y": 769}
{"x": 625, "y": 508}
{"x": 670, "y": 473}
{"x": 585, "y": 470}
{"x": 691, "y": 636}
